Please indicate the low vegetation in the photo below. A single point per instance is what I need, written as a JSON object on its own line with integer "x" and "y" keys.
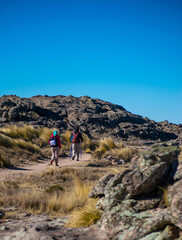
{"x": 57, "y": 192}
{"x": 3, "y": 161}
{"x": 85, "y": 216}
{"x": 107, "y": 147}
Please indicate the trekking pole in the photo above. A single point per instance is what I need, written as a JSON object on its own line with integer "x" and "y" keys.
{"x": 81, "y": 150}
{"x": 71, "y": 152}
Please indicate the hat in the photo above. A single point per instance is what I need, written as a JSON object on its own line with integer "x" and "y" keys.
{"x": 55, "y": 133}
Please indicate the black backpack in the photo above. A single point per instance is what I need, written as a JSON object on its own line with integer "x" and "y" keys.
{"x": 53, "y": 141}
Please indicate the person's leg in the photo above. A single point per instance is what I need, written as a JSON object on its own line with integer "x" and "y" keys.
{"x": 77, "y": 150}
{"x": 57, "y": 155}
{"x": 53, "y": 155}
{"x": 73, "y": 151}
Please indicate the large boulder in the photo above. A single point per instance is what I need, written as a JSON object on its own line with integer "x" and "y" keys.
{"x": 131, "y": 202}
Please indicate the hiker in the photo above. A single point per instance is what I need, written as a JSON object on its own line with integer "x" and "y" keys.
{"x": 76, "y": 139}
{"x": 55, "y": 144}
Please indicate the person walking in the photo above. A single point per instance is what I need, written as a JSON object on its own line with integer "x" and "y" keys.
{"x": 55, "y": 144}
{"x": 76, "y": 139}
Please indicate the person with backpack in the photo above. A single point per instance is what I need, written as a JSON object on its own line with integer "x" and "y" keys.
{"x": 55, "y": 144}
{"x": 76, "y": 139}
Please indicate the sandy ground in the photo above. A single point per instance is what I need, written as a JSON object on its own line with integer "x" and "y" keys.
{"x": 13, "y": 172}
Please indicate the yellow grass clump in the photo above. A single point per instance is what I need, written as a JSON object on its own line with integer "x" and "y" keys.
{"x": 85, "y": 216}
{"x": 45, "y": 134}
{"x": 88, "y": 145}
{"x": 20, "y": 143}
{"x": 164, "y": 195}
{"x": 123, "y": 153}
{"x": 105, "y": 145}
{"x": 6, "y": 141}
{"x": 3, "y": 162}
{"x": 25, "y": 132}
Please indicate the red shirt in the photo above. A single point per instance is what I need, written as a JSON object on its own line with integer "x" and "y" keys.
{"x": 58, "y": 138}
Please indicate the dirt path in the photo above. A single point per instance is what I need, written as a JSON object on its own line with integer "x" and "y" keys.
{"x": 13, "y": 172}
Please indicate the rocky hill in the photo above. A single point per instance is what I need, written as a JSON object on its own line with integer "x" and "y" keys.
{"x": 95, "y": 117}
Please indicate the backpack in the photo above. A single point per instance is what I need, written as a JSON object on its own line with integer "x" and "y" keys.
{"x": 75, "y": 138}
{"x": 53, "y": 141}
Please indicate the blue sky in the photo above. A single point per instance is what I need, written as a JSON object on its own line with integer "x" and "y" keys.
{"x": 125, "y": 52}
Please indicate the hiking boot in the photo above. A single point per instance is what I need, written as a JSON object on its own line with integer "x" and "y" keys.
{"x": 77, "y": 159}
{"x": 73, "y": 157}
{"x": 50, "y": 162}
{"x": 57, "y": 165}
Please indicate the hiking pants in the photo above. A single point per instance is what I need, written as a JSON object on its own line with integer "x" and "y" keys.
{"x": 76, "y": 147}
{"x": 55, "y": 153}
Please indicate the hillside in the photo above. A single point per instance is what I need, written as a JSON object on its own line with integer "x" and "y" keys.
{"x": 95, "y": 117}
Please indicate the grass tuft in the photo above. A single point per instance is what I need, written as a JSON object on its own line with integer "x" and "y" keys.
{"x": 164, "y": 195}
{"x": 3, "y": 162}
{"x": 85, "y": 216}
{"x": 105, "y": 145}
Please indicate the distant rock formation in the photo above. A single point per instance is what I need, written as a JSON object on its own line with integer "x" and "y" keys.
{"x": 95, "y": 117}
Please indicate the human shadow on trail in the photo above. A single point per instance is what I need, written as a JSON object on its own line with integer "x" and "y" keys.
{"x": 18, "y": 168}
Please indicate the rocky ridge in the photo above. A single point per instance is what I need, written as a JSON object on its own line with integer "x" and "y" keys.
{"x": 95, "y": 117}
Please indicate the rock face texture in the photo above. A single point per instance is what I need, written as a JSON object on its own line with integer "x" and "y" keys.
{"x": 145, "y": 202}
{"x": 95, "y": 117}
{"x": 43, "y": 228}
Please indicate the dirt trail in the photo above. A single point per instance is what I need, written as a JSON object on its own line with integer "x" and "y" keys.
{"x": 13, "y": 172}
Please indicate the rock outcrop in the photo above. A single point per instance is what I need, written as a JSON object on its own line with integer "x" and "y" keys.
{"x": 95, "y": 117}
{"x": 144, "y": 202}
{"x": 42, "y": 227}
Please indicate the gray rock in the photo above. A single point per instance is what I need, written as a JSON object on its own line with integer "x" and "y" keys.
{"x": 130, "y": 200}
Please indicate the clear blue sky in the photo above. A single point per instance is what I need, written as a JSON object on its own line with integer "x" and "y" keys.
{"x": 125, "y": 52}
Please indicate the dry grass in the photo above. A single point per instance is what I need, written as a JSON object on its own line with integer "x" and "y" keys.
{"x": 25, "y": 138}
{"x": 107, "y": 147}
{"x": 35, "y": 200}
{"x": 164, "y": 195}
{"x": 180, "y": 155}
{"x": 3, "y": 162}
{"x": 17, "y": 143}
{"x": 44, "y": 135}
{"x": 85, "y": 216}
{"x": 104, "y": 145}
{"x": 7, "y": 141}
{"x": 123, "y": 153}
{"x": 88, "y": 145}
{"x": 25, "y": 132}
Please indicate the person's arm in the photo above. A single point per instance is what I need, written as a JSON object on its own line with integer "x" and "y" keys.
{"x": 81, "y": 138}
{"x": 50, "y": 139}
{"x": 71, "y": 137}
{"x": 59, "y": 141}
